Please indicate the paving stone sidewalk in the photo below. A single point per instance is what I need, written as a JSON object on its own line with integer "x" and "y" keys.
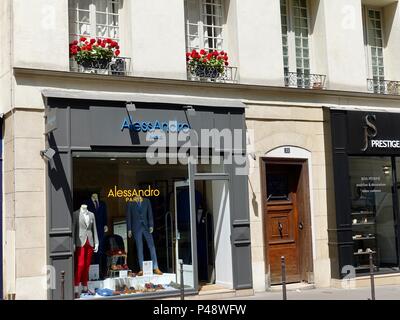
{"x": 381, "y": 293}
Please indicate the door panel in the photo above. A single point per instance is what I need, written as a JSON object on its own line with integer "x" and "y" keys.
{"x": 281, "y": 219}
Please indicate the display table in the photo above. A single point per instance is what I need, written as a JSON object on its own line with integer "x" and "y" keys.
{"x": 137, "y": 282}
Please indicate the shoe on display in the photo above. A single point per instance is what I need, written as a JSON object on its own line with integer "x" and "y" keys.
{"x": 158, "y": 272}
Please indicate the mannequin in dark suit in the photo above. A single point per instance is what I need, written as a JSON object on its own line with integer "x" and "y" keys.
{"x": 99, "y": 209}
{"x": 139, "y": 217}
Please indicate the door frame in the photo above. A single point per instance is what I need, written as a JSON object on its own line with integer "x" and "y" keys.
{"x": 304, "y": 208}
{"x": 179, "y": 184}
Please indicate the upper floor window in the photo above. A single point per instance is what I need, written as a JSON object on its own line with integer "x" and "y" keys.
{"x": 94, "y": 18}
{"x": 295, "y": 36}
{"x": 204, "y": 24}
{"x": 295, "y": 26}
{"x": 374, "y": 36}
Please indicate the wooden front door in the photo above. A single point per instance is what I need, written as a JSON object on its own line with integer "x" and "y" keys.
{"x": 284, "y": 220}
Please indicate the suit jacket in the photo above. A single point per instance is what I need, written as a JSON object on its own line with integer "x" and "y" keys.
{"x": 100, "y": 215}
{"x": 139, "y": 215}
{"x": 83, "y": 231}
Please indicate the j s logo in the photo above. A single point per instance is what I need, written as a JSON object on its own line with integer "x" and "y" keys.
{"x": 370, "y": 130}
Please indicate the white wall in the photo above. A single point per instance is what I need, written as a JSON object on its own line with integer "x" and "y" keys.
{"x": 391, "y": 22}
{"x": 344, "y": 44}
{"x": 260, "y": 42}
{"x": 41, "y": 34}
{"x": 319, "y": 55}
{"x": 5, "y": 58}
{"x": 158, "y": 38}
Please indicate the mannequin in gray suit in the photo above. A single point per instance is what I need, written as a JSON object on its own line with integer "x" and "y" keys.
{"x": 85, "y": 243}
{"x": 139, "y": 217}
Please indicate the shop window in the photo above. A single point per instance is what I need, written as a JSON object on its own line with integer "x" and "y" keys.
{"x": 94, "y": 18}
{"x": 144, "y": 226}
{"x": 373, "y": 213}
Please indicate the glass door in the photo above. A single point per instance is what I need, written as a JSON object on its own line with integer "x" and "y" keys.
{"x": 183, "y": 244}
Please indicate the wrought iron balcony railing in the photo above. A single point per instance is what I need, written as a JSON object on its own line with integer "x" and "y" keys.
{"x": 303, "y": 80}
{"x": 209, "y": 74}
{"x": 120, "y": 66}
{"x": 384, "y": 86}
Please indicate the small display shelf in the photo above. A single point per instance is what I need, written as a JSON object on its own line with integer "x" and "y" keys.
{"x": 364, "y": 239}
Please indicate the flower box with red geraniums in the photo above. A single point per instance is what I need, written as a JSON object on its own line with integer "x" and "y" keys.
{"x": 205, "y": 64}
{"x": 94, "y": 53}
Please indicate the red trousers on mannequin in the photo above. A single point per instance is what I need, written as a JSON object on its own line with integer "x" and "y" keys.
{"x": 83, "y": 257}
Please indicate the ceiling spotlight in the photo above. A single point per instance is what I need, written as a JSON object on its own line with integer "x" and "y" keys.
{"x": 48, "y": 154}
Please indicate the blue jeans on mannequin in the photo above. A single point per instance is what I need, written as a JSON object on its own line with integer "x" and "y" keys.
{"x": 138, "y": 235}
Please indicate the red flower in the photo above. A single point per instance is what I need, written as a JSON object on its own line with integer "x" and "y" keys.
{"x": 103, "y": 45}
{"x": 202, "y": 52}
{"x": 83, "y": 39}
{"x": 92, "y": 41}
{"x": 188, "y": 54}
{"x": 219, "y": 58}
{"x": 222, "y": 52}
{"x": 205, "y": 61}
{"x": 99, "y": 41}
{"x": 89, "y": 47}
{"x": 114, "y": 44}
{"x": 226, "y": 58}
{"x": 193, "y": 54}
{"x": 117, "y": 52}
{"x": 117, "y": 47}
{"x": 75, "y": 42}
{"x": 109, "y": 41}
{"x": 209, "y": 56}
{"x": 84, "y": 48}
{"x": 226, "y": 63}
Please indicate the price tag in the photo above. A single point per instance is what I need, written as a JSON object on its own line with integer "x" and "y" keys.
{"x": 123, "y": 274}
{"x": 147, "y": 268}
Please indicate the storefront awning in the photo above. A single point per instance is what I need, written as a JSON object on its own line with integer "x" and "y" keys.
{"x": 143, "y": 97}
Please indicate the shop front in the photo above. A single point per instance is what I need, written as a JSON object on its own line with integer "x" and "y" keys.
{"x": 142, "y": 196}
{"x": 366, "y": 162}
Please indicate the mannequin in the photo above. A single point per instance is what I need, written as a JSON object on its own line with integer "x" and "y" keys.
{"x": 99, "y": 209}
{"x": 86, "y": 242}
{"x": 140, "y": 224}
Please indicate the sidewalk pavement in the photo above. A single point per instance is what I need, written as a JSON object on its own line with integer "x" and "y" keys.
{"x": 381, "y": 293}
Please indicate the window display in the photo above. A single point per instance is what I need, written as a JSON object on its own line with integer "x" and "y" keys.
{"x": 132, "y": 217}
{"x": 373, "y": 215}
{"x": 141, "y": 228}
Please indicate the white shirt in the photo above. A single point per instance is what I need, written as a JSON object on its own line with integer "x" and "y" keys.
{"x": 86, "y": 216}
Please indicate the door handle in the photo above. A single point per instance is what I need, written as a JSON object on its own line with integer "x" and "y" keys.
{"x": 280, "y": 228}
{"x": 301, "y": 226}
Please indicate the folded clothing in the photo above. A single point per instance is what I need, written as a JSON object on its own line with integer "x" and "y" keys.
{"x": 106, "y": 292}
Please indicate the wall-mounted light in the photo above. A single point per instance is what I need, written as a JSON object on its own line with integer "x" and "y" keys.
{"x": 48, "y": 154}
{"x": 190, "y": 110}
{"x": 130, "y": 106}
{"x": 252, "y": 155}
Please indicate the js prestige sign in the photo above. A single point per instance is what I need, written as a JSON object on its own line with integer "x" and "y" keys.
{"x": 375, "y": 133}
